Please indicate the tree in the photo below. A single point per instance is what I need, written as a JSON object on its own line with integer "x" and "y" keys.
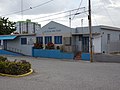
{"x": 6, "y": 26}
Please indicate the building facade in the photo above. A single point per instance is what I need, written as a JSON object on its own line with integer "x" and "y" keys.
{"x": 27, "y": 27}
{"x": 55, "y": 33}
{"x": 102, "y": 39}
{"x": 105, "y": 39}
{"x": 77, "y": 39}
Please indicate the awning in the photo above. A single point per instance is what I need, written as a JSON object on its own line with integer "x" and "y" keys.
{"x": 7, "y": 37}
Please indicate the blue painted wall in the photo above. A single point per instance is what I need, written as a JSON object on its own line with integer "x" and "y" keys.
{"x": 4, "y": 52}
{"x": 51, "y": 54}
{"x": 85, "y": 56}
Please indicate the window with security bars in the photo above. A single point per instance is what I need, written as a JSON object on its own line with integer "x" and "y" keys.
{"x": 23, "y": 41}
{"x": 48, "y": 39}
{"x": 39, "y": 40}
{"x": 58, "y": 39}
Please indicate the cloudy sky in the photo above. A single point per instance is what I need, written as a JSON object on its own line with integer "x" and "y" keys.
{"x": 104, "y": 12}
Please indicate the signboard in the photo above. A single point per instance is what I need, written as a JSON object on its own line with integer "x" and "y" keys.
{"x": 52, "y": 29}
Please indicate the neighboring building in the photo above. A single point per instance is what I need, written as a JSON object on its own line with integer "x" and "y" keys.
{"x": 105, "y": 39}
{"x": 21, "y": 43}
{"x": 27, "y": 27}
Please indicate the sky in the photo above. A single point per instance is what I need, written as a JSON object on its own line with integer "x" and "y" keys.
{"x": 104, "y": 12}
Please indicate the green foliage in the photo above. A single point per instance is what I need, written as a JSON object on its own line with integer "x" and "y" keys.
{"x": 14, "y": 67}
{"x": 3, "y": 58}
{"x": 6, "y": 26}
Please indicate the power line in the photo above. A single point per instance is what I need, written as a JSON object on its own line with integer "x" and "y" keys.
{"x": 108, "y": 13}
{"x": 62, "y": 16}
{"x": 57, "y": 13}
{"x": 27, "y": 8}
{"x": 78, "y": 9}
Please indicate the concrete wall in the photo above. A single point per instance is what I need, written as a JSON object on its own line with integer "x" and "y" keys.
{"x": 85, "y": 30}
{"x": 114, "y": 47}
{"x": 51, "y": 54}
{"x": 114, "y": 36}
{"x": 15, "y": 45}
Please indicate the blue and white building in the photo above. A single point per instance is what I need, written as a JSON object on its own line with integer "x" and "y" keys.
{"x": 77, "y": 39}
{"x": 105, "y": 39}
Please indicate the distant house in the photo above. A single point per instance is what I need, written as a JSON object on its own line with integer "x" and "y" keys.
{"x": 27, "y": 27}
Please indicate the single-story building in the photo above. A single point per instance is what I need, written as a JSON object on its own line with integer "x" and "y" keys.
{"x": 77, "y": 40}
{"x": 20, "y": 43}
{"x": 105, "y": 39}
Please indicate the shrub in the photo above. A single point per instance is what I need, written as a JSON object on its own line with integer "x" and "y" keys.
{"x": 50, "y": 45}
{"x": 14, "y": 67}
{"x": 58, "y": 47}
{"x": 3, "y": 58}
{"x": 38, "y": 46}
{"x": 62, "y": 49}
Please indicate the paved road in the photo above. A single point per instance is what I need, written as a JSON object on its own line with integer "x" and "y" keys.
{"x": 107, "y": 58}
{"x": 65, "y": 75}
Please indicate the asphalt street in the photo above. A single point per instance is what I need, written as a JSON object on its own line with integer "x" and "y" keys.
{"x": 55, "y": 74}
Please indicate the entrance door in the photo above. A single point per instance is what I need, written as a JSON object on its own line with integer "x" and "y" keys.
{"x": 85, "y": 44}
{"x": 78, "y": 43}
{"x": 5, "y": 44}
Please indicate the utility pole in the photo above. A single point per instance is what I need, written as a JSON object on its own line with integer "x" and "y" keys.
{"x": 90, "y": 31}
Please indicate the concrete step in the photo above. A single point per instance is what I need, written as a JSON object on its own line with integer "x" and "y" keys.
{"x": 78, "y": 56}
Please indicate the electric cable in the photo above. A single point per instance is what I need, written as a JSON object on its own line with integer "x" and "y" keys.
{"x": 27, "y": 8}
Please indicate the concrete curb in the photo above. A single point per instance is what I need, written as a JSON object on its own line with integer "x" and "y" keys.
{"x": 17, "y": 76}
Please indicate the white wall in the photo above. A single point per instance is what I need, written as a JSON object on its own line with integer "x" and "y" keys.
{"x": 54, "y": 29}
{"x": 97, "y": 43}
{"x": 114, "y": 37}
{"x": 16, "y": 46}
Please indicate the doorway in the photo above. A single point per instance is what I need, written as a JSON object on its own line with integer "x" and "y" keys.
{"x": 85, "y": 44}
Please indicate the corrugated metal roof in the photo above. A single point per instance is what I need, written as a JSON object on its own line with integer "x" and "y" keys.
{"x": 7, "y": 37}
